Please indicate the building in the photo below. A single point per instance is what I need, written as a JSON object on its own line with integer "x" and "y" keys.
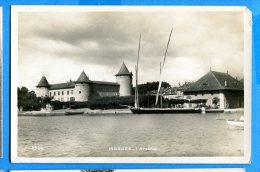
{"x": 171, "y": 92}
{"x": 220, "y": 89}
{"x": 167, "y": 93}
{"x": 84, "y": 89}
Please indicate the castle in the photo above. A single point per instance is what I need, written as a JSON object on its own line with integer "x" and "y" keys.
{"x": 84, "y": 89}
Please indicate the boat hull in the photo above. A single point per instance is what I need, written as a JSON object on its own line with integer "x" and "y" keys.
{"x": 161, "y": 110}
{"x": 214, "y": 110}
{"x": 235, "y": 123}
{"x": 73, "y": 113}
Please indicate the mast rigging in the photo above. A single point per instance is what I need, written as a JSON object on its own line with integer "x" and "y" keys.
{"x": 136, "y": 76}
{"x": 161, "y": 70}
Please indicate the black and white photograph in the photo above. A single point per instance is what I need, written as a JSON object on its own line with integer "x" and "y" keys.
{"x": 130, "y": 84}
{"x": 143, "y": 170}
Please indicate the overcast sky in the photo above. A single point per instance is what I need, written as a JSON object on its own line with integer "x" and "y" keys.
{"x": 60, "y": 45}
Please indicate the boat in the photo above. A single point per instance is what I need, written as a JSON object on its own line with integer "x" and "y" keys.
{"x": 74, "y": 112}
{"x": 214, "y": 110}
{"x": 163, "y": 110}
{"x": 236, "y": 123}
{"x": 137, "y": 110}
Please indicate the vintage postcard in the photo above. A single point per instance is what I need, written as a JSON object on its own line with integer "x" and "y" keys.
{"x": 144, "y": 170}
{"x": 130, "y": 84}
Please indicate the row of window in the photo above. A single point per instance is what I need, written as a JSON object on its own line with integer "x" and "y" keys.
{"x": 202, "y": 93}
{"x": 69, "y": 92}
{"x": 106, "y": 94}
{"x": 68, "y": 99}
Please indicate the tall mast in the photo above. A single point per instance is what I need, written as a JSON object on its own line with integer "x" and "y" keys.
{"x": 136, "y": 89}
{"x": 161, "y": 71}
{"x": 136, "y": 76}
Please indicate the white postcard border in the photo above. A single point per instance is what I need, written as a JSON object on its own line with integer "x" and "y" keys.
{"x": 205, "y": 160}
{"x": 1, "y": 75}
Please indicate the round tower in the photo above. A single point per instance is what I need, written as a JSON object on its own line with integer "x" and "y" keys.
{"x": 82, "y": 88}
{"x": 124, "y": 79}
{"x": 42, "y": 89}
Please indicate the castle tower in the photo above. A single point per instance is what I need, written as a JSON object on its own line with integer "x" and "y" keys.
{"x": 42, "y": 89}
{"x": 124, "y": 79}
{"x": 82, "y": 88}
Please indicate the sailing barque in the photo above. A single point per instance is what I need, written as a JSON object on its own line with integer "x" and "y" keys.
{"x": 138, "y": 110}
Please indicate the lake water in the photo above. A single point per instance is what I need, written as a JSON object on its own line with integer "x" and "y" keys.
{"x": 128, "y": 135}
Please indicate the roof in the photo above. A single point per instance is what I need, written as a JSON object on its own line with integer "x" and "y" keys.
{"x": 216, "y": 81}
{"x": 104, "y": 83}
{"x": 71, "y": 84}
{"x": 123, "y": 71}
{"x": 43, "y": 82}
{"x": 165, "y": 91}
{"x": 82, "y": 78}
{"x": 66, "y": 85}
{"x": 170, "y": 91}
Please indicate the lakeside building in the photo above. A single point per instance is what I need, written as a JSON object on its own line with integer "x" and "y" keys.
{"x": 168, "y": 93}
{"x": 220, "y": 89}
{"x": 84, "y": 89}
{"x": 171, "y": 92}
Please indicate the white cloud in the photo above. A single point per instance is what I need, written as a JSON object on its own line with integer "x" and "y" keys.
{"x": 61, "y": 45}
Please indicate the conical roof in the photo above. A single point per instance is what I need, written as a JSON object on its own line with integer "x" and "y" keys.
{"x": 123, "y": 71}
{"x": 82, "y": 78}
{"x": 43, "y": 82}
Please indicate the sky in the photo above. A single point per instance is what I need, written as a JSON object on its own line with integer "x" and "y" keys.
{"x": 60, "y": 45}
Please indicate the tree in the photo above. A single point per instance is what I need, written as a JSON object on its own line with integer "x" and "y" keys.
{"x": 46, "y": 99}
{"x": 151, "y": 86}
{"x": 215, "y": 102}
{"x": 27, "y": 100}
{"x": 22, "y": 93}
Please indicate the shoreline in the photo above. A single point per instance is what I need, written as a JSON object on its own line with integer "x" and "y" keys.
{"x": 61, "y": 112}
{"x": 87, "y": 111}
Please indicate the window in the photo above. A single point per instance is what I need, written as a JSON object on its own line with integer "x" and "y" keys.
{"x": 79, "y": 92}
{"x": 68, "y": 92}
{"x": 58, "y": 93}
{"x": 54, "y": 93}
{"x": 50, "y": 94}
{"x": 202, "y": 93}
{"x": 62, "y": 93}
{"x": 195, "y": 93}
{"x": 71, "y": 91}
{"x": 61, "y": 99}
